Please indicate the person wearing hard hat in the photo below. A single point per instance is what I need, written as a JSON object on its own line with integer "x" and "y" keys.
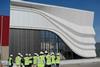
{"x": 30, "y": 60}
{"x": 53, "y": 59}
{"x": 48, "y": 59}
{"x": 45, "y": 57}
{"x": 41, "y": 60}
{"x": 35, "y": 59}
{"x": 57, "y": 59}
{"x": 18, "y": 60}
{"x": 22, "y": 61}
{"x": 26, "y": 60}
{"x": 10, "y": 61}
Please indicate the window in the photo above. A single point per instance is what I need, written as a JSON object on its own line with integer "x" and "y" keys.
{"x": 30, "y": 41}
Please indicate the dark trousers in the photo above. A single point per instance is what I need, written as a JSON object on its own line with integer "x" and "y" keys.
{"x": 30, "y": 65}
{"x": 11, "y": 65}
{"x": 57, "y": 65}
{"x": 47, "y": 65}
{"x": 27, "y": 66}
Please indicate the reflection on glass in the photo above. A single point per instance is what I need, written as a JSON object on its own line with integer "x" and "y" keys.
{"x": 30, "y": 41}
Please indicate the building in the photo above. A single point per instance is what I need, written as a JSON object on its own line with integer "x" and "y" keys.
{"x": 35, "y": 27}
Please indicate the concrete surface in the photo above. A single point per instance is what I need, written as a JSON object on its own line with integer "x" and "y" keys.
{"x": 77, "y": 65}
{"x": 97, "y": 64}
{"x": 94, "y": 62}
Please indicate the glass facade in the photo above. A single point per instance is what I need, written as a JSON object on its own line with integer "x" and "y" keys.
{"x": 30, "y": 41}
{"x": 98, "y": 49}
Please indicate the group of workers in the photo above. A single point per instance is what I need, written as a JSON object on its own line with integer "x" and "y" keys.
{"x": 43, "y": 59}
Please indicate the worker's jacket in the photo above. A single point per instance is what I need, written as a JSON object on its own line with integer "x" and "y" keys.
{"x": 48, "y": 59}
{"x": 26, "y": 60}
{"x": 10, "y": 61}
{"x": 53, "y": 59}
{"x": 57, "y": 59}
{"x": 41, "y": 60}
{"x": 35, "y": 59}
{"x": 18, "y": 60}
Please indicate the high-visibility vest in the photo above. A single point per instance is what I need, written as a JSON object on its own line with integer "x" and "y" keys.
{"x": 26, "y": 60}
{"x": 18, "y": 60}
{"x": 53, "y": 59}
{"x": 35, "y": 59}
{"x": 10, "y": 60}
{"x": 48, "y": 59}
{"x": 30, "y": 59}
{"x": 57, "y": 59}
{"x": 41, "y": 61}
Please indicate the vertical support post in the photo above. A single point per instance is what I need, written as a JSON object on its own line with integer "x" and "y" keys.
{"x": 4, "y": 37}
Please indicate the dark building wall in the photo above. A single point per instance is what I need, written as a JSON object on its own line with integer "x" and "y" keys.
{"x": 98, "y": 49}
{"x": 24, "y": 41}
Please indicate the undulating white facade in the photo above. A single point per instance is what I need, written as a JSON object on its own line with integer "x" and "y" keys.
{"x": 75, "y": 27}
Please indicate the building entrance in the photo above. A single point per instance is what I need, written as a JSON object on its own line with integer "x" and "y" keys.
{"x": 30, "y": 41}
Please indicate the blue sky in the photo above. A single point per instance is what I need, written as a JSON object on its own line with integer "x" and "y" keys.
{"x": 91, "y": 5}
{"x": 4, "y": 7}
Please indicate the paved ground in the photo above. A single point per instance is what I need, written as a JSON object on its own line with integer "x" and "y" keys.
{"x": 77, "y": 65}
{"x": 94, "y": 62}
{"x": 97, "y": 64}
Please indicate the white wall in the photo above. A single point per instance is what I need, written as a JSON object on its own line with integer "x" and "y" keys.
{"x": 80, "y": 17}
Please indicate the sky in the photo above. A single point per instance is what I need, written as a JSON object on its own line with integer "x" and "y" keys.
{"x": 4, "y": 7}
{"x": 90, "y": 5}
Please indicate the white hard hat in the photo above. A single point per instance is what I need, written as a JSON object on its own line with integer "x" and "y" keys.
{"x": 11, "y": 55}
{"x": 36, "y": 54}
{"x": 19, "y": 53}
{"x": 58, "y": 54}
{"x": 29, "y": 54}
{"x": 41, "y": 52}
{"x": 46, "y": 51}
{"x": 52, "y": 53}
{"x": 26, "y": 54}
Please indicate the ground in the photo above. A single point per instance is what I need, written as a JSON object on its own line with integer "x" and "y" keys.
{"x": 96, "y": 64}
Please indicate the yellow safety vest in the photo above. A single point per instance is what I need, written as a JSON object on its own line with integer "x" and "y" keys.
{"x": 48, "y": 59}
{"x": 26, "y": 60}
{"x": 57, "y": 59}
{"x": 35, "y": 59}
{"x": 9, "y": 60}
{"x": 30, "y": 59}
{"x": 18, "y": 60}
{"x": 53, "y": 59}
{"x": 41, "y": 61}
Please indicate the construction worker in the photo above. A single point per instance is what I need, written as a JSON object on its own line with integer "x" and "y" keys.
{"x": 30, "y": 60}
{"x": 57, "y": 59}
{"x": 45, "y": 57}
{"x": 26, "y": 60}
{"x": 48, "y": 59}
{"x": 35, "y": 59}
{"x": 41, "y": 60}
{"x": 10, "y": 61}
{"x": 22, "y": 61}
{"x": 53, "y": 59}
{"x": 18, "y": 60}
